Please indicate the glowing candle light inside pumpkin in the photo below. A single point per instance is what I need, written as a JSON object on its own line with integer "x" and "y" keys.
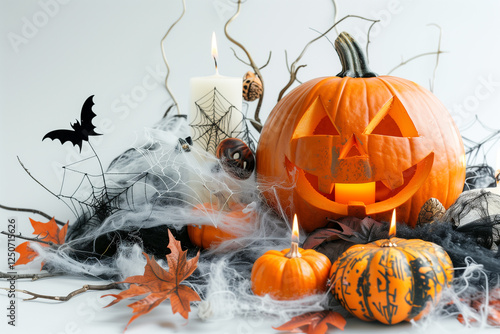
{"x": 215, "y": 107}
{"x": 355, "y": 192}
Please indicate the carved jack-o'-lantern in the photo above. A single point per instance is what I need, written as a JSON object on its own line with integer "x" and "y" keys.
{"x": 360, "y": 145}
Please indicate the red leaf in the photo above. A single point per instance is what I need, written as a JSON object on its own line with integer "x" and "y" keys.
{"x": 314, "y": 322}
{"x": 159, "y": 284}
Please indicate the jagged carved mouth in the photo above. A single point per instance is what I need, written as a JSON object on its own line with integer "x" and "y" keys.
{"x": 364, "y": 198}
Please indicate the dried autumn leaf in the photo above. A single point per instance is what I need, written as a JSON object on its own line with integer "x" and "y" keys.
{"x": 26, "y": 253}
{"x": 160, "y": 284}
{"x": 314, "y": 322}
{"x": 48, "y": 232}
{"x": 492, "y": 310}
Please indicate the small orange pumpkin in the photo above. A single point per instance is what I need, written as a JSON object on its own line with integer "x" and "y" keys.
{"x": 285, "y": 275}
{"x": 391, "y": 280}
{"x": 206, "y": 236}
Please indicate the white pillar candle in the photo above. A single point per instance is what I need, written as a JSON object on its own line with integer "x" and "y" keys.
{"x": 215, "y": 108}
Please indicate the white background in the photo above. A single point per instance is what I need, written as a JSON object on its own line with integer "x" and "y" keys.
{"x": 55, "y": 53}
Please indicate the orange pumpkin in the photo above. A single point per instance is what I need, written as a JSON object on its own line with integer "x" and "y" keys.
{"x": 359, "y": 144}
{"x": 206, "y": 236}
{"x": 286, "y": 274}
{"x": 391, "y": 280}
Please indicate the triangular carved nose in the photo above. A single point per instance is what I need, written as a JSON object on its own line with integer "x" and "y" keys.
{"x": 352, "y": 148}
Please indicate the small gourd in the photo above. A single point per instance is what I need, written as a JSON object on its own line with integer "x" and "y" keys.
{"x": 391, "y": 280}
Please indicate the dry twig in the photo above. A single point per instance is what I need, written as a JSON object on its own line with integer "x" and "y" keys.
{"x": 176, "y": 104}
{"x": 294, "y": 68}
{"x": 32, "y": 277}
{"x": 37, "y": 212}
{"x": 85, "y": 288}
{"x": 431, "y": 83}
{"x": 20, "y": 236}
{"x": 256, "y": 122}
{"x": 437, "y": 53}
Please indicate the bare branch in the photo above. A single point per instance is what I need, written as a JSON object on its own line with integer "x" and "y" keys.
{"x": 44, "y": 187}
{"x": 166, "y": 62}
{"x": 431, "y": 88}
{"x": 37, "y": 212}
{"x": 33, "y": 277}
{"x": 404, "y": 62}
{"x": 256, "y": 122}
{"x": 36, "y": 239}
{"x": 328, "y": 39}
{"x": 268, "y": 60}
{"x": 72, "y": 294}
{"x": 368, "y": 40}
{"x": 237, "y": 57}
{"x": 335, "y": 12}
{"x": 293, "y": 69}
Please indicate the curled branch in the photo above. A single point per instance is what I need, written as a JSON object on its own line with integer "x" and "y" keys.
{"x": 437, "y": 53}
{"x": 165, "y": 59}
{"x": 85, "y": 288}
{"x": 404, "y": 62}
{"x": 294, "y": 68}
{"x": 431, "y": 84}
{"x": 256, "y": 122}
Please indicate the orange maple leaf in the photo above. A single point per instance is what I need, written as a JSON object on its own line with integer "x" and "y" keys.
{"x": 314, "y": 322}
{"x": 48, "y": 232}
{"x": 493, "y": 309}
{"x": 160, "y": 284}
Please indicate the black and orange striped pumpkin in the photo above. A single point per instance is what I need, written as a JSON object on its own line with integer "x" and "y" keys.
{"x": 391, "y": 280}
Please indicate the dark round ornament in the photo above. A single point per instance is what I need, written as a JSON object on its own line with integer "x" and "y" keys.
{"x": 236, "y": 158}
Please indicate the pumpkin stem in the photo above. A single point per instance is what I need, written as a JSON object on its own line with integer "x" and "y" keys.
{"x": 352, "y": 58}
{"x": 294, "y": 251}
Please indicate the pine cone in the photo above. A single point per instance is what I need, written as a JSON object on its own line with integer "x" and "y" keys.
{"x": 431, "y": 211}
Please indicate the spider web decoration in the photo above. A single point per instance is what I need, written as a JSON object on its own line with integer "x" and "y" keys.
{"x": 480, "y": 173}
{"x": 145, "y": 192}
{"x": 217, "y": 119}
{"x": 98, "y": 196}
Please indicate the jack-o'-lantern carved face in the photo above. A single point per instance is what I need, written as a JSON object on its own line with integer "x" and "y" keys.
{"x": 359, "y": 145}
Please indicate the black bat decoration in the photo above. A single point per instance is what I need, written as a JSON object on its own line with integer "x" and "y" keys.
{"x": 80, "y": 132}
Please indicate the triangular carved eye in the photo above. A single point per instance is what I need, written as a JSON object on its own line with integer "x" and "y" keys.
{"x": 392, "y": 120}
{"x": 316, "y": 121}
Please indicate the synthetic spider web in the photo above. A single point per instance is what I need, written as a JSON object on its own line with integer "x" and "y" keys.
{"x": 217, "y": 119}
{"x": 480, "y": 173}
{"x": 147, "y": 190}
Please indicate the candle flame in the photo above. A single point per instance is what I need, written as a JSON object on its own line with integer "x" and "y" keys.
{"x": 215, "y": 53}
{"x": 295, "y": 229}
{"x": 392, "y": 229}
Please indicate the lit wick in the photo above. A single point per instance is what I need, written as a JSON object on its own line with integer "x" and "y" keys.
{"x": 294, "y": 248}
{"x": 215, "y": 53}
{"x": 392, "y": 231}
